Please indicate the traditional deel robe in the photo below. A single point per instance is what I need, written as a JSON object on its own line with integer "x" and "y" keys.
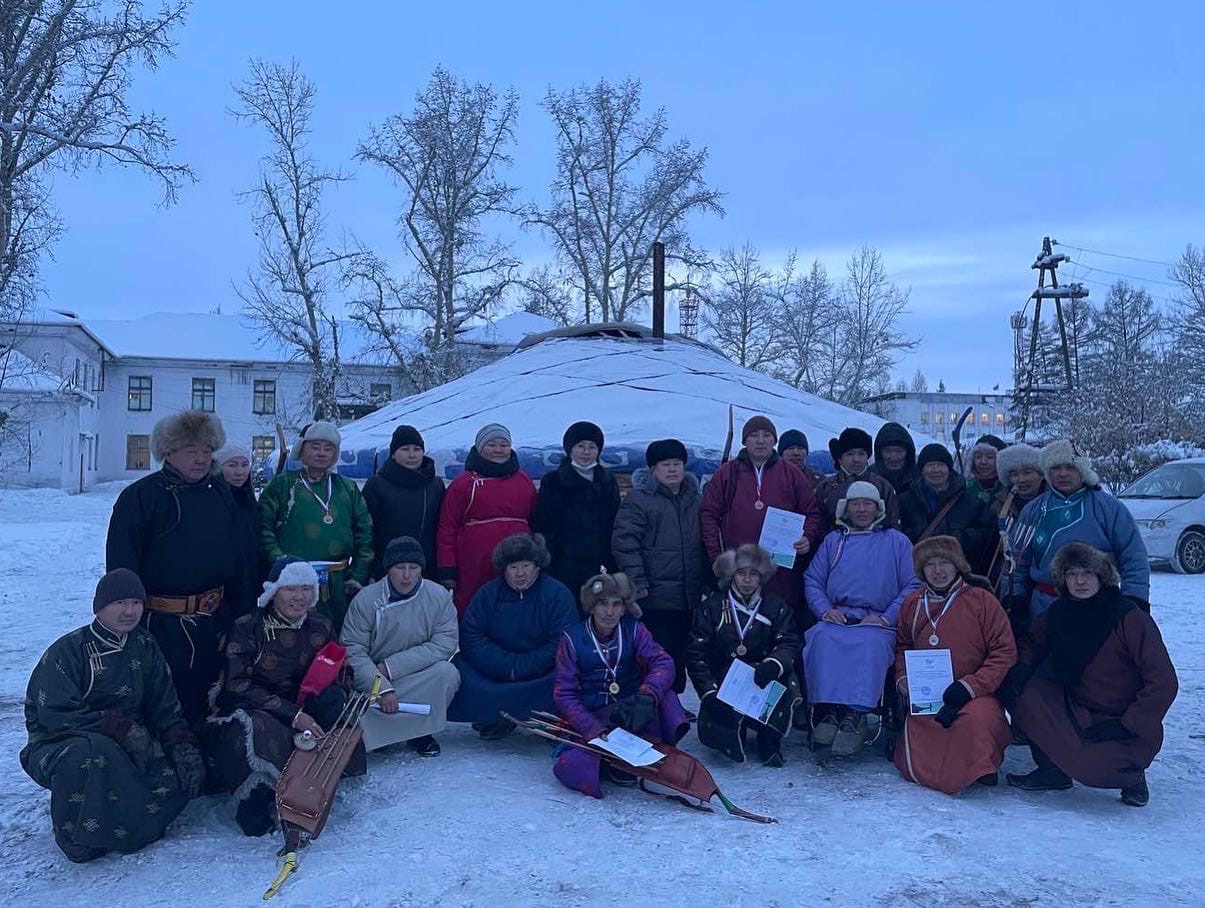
{"x": 1129, "y": 678}
{"x": 861, "y": 573}
{"x": 769, "y": 634}
{"x": 971, "y": 624}
{"x": 508, "y": 644}
{"x": 249, "y": 740}
{"x": 182, "y": 540}
{"x": 734, "y": 510}
{"x": 576, "y": 516}
{"x": 85, "y": 687}
{"x": 414, "y": 637}
{"x": 242, "y": 601}
{"x": 1088, "y": 515}
{"x": 485, "y": 504}
{"x": 294, "y": 511}
{"x": 586, "y": 667}
{"x": 404, "y": 502}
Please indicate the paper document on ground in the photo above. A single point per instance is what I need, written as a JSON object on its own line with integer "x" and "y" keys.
{"x": 632, "y": 749}
{"x": 741, "y": 692}
{"x": 929, "y": 674}
{"x": 781, "y": 530}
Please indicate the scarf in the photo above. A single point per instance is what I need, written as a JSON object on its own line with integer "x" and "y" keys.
{"x": 1078, "y": 628}
{"x": 475, "y": 463}
{"x": 395, "y": 596}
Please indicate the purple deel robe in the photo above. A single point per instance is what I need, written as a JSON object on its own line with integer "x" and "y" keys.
{"x": 581, "y": 683}
{"x": 860, "y": 574}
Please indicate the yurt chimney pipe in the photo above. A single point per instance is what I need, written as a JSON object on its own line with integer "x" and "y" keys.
{"x": 659, "y": 291}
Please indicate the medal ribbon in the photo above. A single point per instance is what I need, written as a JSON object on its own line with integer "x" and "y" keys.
{"x": 325, "y": 505}
{"x": 757, "y": 471}
{"x": 734, "y": 605}
{"x": 928, "y": 616}
{"x": 612, "y": 672}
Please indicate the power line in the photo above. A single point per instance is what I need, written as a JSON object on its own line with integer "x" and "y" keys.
{"x": 1132, "y": 277}
{"x": 1115, "y": 255}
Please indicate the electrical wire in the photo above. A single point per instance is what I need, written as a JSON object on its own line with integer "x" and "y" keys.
{"x": 1115, "y": 255}
{"x": 1132, "y": 277}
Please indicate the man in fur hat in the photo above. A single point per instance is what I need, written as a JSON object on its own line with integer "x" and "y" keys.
{"x": 1074, "y": 509}
{"x": 176, "y": 529}
{"x": 851, "y": 456}
{"x": 316, "y": 514}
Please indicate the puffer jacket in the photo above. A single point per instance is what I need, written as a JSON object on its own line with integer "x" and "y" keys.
{"x": 657, "y": 542}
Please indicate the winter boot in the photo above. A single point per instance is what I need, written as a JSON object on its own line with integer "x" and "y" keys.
{"x": 1047, "y": 777}
{"x": 826, "y": 729}
{"x": 256, "y": 813}
{"x": 1136, "y": 795}
{"x": 769, "y": 747}
{"x": 426, "y": 746}
{"x": 495, "y": 731}
{"x": 77, "y": 853}
{"x": 851, "y": 735}
{"x": 991, "y": 780}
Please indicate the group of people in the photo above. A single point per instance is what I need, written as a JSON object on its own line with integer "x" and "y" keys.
{"x": 230, "y": 629}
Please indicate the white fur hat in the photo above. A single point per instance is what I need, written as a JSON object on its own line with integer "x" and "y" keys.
{"x": 289, "y": 571}
{"x": 319, "y": 431}
{"x": 1063, "y": 451}
{"x": 861, "y": 489}
{"x": 1018, "y": 457}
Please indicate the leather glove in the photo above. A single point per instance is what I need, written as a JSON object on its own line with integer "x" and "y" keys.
{"x": 1108, "y": 730}
{"x": 634, "y": 713}
{"x": 190, "y": 768}
{"x": 954, "y": 698}
{"x": 138, "y": 744}
{"x": 1014, "y": 682}
{"x": 766, "y": 671}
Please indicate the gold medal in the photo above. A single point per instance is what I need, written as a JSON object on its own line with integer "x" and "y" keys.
{"x": 741, "y": 650}
{"x": 613, "y": 688}
{"x": 328, "y": 519}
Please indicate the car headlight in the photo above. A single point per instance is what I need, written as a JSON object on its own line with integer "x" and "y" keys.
{"x": 1158, "y": 524}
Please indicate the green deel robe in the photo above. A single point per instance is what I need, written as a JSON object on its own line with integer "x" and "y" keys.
{"x": 291, "y": 520}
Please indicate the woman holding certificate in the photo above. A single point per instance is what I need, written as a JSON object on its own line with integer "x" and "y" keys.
{"x": 952, "y": 623}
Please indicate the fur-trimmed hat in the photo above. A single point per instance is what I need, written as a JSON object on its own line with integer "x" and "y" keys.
{"x": 665, "y": 449}
{"x": 850, "y": 438}
{"x": 748, "y": 555}
{"x": 521, "y": 547}
{"x": 861, "y": 489}
{"x": 606, "y": 586}
{"x": 289, "y": 571}
{"x": 1063, "y": 451}
{"x": 188, "y": 427}
{"x": 947, "y": 547}
{"x": 319, "y": 431}
{"x": 1081, "y": 555}
{"x": 1017, "y": 457}
{"x": 582, "y": 431}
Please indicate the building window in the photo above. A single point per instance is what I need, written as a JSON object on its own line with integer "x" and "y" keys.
{"x": 203, "y": 394}
{"x": 985, "y": 419}
{"x": 380, "y": 392}
{"x": 924, "y": 417}
{"x": 1000, "y": 420}
{"x": 953, "y": 419}
{"x": 140, "y": 393}
{"x": 939, "y": 418}
{"x": 263, "y": 400}
{"x": 262, "y": 447}
{"x": 138, "y": 452}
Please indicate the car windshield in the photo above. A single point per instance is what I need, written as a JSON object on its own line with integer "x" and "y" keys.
{"x": 1172, "y": 480}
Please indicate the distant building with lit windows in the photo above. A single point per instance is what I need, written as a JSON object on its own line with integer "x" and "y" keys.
{"x": 936, "y": 413}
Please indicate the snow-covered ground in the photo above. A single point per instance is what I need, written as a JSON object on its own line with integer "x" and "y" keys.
{"x": 489, "y": 825}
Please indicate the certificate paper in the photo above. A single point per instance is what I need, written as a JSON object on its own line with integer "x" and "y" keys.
{"x": 929, "y": 674}
{"x": 632, "y": 749}
{"x": 741, "y": 692}
{"x": 781, "y": 530}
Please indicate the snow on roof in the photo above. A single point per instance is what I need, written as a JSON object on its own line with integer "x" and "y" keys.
{"x": 20, "y": 373}
{"x": 507, "y": 330}
{"x": 636, "y": 389}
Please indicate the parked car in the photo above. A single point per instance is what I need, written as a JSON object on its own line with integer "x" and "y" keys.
{"x": 1168, "y": 504}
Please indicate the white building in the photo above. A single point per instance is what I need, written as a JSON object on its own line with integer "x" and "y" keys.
{"x": 936, "y": 413}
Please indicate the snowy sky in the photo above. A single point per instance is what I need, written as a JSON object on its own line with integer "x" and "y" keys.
{"x": 951, "y": 136}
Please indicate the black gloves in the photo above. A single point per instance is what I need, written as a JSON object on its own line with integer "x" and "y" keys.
{"x": 189, "y": 767}
{"x": 1014, "y": 682}
{"x": 955, "y": 697}
{"x": 767, "y": 670}
{"x": 1108, "y": 730}
{"x": 634, "y": 713}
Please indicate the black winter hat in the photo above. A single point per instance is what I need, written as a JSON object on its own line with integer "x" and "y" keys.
{"x": 849, "y": 439}
{"x": 793, "y": 438}
{"x": 582, "y": 431}
{"x": 404, "y": 550}
{"x": 406, "y": 435}
{"x": 934, "y": 452}
{"x": 665, "y": 449}
{"x": 118, "y": 584}
{"x": 992, "y": 441}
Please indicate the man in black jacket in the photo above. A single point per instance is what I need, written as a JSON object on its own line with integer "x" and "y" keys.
{"x": 941, "y": 505}
{"x": 176, "y": 530}
{"x": 895, "y": 457}
{"x": 404, "y": 497}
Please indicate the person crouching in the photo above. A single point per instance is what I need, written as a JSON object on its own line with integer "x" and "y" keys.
{"x": 611, "y": 673}
{"x": 743, "y": 622}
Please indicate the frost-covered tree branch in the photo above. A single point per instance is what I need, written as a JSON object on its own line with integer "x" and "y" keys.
{"x": 739, "y": 315}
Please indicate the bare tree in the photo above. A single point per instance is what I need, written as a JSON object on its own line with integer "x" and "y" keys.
{"x": 806, "y": 321}
{"x": 447, "y": 155}
{"x": 919, "y": 384}
{"x": 546, "y": 292}
{"x": 620, "y": 186}
{"x": 286, "y": 297}
{"x": 871, "y": 309}
{"x": 739, "y": 312}
{"x": 1188, "y": 318}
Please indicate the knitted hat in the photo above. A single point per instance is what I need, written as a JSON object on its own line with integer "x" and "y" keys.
{"x": 488, "y": 433}
{"x": 521, "y": 547}
{"x": 934, "y": 453}
{"x": 747, "y": 556}
{"x": 231, "y": 450}
{"x": 989, "y": 441}
{"x": 405, "y": 435}
{"x": 1063, "y": 451}
{"x": 792, "y": 438}
{"x": 758, "y": 424}
{"x": 188, "y": 427}
{"x": 289, "y": 571}
{"x": 582, "y": 431}
{"x": 606, "y": 586}
{"x": 665, "y": 449}
{"x": 118, "y": 584}
{"x": 1081, "y": 555}
{"x": 934, "y": 547}
{"x": 861, "y": 489}
{"x": 1017, "y": 457}
{"x": 318, "y": 431}
{"x": 849, "y": 439}
{"x": 404, "y": 550}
